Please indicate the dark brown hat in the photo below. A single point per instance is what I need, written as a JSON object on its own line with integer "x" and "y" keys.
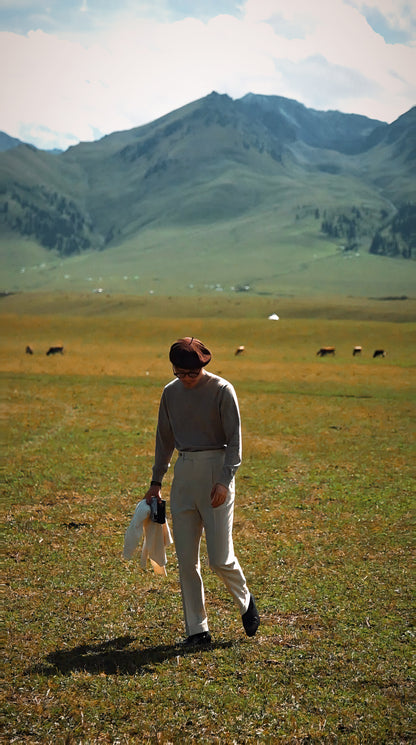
{"x": 189, "y": 353}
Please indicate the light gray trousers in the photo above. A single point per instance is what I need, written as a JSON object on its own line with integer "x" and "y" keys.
{"x": 190, "y": 504}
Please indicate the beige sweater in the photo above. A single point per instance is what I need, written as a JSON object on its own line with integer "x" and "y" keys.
{"x": 206, "y": 417}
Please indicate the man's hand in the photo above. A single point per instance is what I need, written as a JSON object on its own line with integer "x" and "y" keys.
{"x": 154, "y": 491}
{"x": 218, "y": 495}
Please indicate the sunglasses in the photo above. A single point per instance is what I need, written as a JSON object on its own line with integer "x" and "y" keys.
{"x": 187, "y": 373}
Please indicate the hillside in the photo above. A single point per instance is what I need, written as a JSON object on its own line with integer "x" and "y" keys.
{"x": 218, "y": 188}
{"x": 7, "y": 142}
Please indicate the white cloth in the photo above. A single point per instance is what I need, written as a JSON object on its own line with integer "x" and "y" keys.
{"x": 156, "y": 539}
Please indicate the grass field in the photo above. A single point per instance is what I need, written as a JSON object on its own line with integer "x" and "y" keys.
{"x": 323, "y": 526}
{"x": 271, "y": 254}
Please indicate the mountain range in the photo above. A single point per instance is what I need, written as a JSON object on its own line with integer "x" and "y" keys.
{"x": 218, "y": 180}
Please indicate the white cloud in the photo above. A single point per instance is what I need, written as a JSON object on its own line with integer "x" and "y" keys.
{"x": 54, "y": 84}
{"x": 398, "y": 14}
{"x": 136, "y": 69}
{"x": 334, "y": 59}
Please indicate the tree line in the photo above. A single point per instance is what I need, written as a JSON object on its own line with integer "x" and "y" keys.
{"x": 54, "y": 220}
{"x": 399, "y": 237}
{"x": 385, "y": 235}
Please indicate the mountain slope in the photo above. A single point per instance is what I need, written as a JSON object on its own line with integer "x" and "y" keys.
{"x": 346, "y": 133}
{"x": 390, "y": 156}
{"x": 7, "y": 142}
{"x": 265, "y": 168}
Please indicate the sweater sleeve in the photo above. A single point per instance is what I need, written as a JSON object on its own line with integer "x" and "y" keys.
{"x": 231, "y": 422}
{"x": 165, "y": 443}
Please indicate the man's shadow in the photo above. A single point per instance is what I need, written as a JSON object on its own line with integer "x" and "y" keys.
{"x": 114, "y": 658}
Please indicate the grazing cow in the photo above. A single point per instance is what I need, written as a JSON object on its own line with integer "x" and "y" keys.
{"x": 239, "y": 350}
{"x": 356, "y": 350}
{"x": 29, "y": 350}
{"x": 55, "y": 350}
{"x": 379, "y": 353}
{"x": 323, "y": 351}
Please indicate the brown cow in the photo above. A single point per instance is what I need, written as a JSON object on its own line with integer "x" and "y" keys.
{"x": 323, "y": 351}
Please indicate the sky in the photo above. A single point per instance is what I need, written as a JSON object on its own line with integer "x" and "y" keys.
{"x": 76, "y": 70}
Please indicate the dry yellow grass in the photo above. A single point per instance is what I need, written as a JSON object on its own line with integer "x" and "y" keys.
{"x": 323, "y": 530}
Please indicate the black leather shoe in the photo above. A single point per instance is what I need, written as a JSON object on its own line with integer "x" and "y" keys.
{"x": 251, "y": 618}
{"x": 198, "y": 640}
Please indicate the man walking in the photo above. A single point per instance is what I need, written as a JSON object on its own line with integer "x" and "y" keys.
{"x": 199, "y": 416}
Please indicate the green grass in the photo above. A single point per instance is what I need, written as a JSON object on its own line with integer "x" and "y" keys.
{"x": 323, "y": 530}
{"x": 270, "y": 252}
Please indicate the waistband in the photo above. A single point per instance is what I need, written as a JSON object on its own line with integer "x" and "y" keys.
{"x": 200, "y": 454}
